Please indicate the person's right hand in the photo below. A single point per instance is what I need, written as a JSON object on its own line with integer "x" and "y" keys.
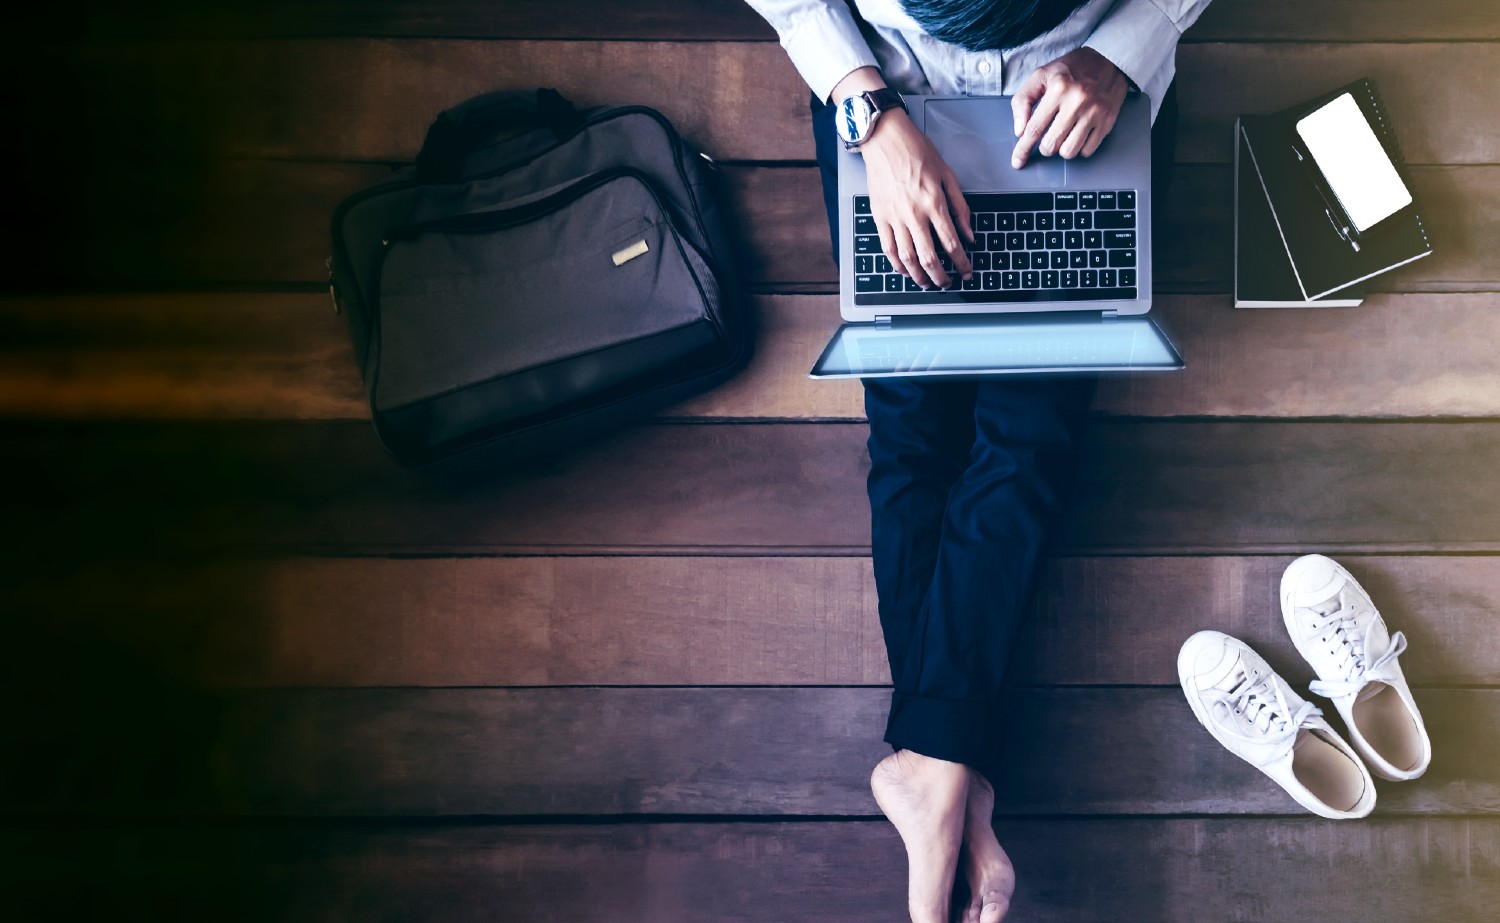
{"x": 915, "y": 199}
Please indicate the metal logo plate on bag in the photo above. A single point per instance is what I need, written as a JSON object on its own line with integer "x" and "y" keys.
{"x": 624, "y": 256}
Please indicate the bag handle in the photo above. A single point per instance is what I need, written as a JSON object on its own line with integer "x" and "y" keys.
{"x": 465, "y": 128}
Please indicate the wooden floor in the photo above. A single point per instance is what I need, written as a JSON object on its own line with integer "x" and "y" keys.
{"x": 256, "y": 671}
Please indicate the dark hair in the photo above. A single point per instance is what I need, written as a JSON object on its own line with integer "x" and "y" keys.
{"x": 986, "y": 25}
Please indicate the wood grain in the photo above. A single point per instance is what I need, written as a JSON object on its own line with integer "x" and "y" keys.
{"x": 372, "y": 99}
{"x": 728, "y": 751}
{"x": 252, "y": 223}
{"x": 575, "y": 621}
{"x": 1225, "y": 20}
{"x": 1145, "y": 488}
{"x": 1073, "y": 870}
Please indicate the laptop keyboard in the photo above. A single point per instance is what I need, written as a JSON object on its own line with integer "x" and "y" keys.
{"x": 1028, "y": 247}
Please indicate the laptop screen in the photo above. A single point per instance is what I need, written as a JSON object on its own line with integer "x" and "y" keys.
{"x": 965, "y": 346}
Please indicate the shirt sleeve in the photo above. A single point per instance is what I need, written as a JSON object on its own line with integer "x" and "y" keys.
{"x": 821, "y": 37}
{"x": 1140, "y": 38}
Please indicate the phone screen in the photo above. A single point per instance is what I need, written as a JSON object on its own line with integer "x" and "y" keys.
{"x": 1361, "y": 175}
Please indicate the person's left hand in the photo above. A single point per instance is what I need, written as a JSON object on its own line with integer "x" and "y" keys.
{"x": 1068, "y": 106}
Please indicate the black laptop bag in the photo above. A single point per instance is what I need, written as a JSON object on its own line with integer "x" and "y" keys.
{"x": 540, "y": 275}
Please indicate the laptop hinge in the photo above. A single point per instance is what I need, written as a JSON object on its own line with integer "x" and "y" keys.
{"x": 1111, "y": 313}
{"x": 883, "y": 321}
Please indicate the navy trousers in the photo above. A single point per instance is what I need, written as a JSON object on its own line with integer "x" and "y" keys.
{"x": 967, "y": 479}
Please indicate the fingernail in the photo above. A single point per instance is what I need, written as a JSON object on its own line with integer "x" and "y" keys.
{"x": 1016, "y": 162}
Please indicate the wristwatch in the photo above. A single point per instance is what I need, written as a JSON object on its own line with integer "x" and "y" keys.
{"x": 856, "y": 115}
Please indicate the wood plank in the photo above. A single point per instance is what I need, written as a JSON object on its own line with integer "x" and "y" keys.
{"x": 258, "y": 222}
{"x": 590, "y": 621}
{"x": 1145, "y": 488}
{"x": 725, "y": 751}
{"x": 1078, "y": 871}
{"x": 722, "y": 20}
{"x": 287, "y": 356}
{"x": 372, "y": 100}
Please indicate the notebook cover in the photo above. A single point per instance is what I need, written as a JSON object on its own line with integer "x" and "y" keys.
{"x": 1263, "y": 276}
{"x": 1322, "y": 261}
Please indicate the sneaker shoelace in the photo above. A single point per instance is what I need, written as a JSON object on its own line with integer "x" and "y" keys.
{"x": 1340, "y": 631}
{"x": 1256, "y": 699}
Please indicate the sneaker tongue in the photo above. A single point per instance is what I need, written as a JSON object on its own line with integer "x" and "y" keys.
{"x": 1303, "y": 736}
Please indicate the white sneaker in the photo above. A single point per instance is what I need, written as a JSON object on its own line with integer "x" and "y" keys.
{"x": 1338, "y": 630}
{"x": 1256, "y": 715}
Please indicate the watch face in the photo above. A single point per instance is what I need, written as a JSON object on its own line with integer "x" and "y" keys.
{"x": 853, "y": 119}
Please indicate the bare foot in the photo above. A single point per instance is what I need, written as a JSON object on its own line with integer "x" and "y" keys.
{"x": 991, "y": 877}
{"x": 925, "y": 799}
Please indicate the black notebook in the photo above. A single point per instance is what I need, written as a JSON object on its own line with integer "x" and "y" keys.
{"x": 1263, "y": 275}
{"x": 1326, "y": 251}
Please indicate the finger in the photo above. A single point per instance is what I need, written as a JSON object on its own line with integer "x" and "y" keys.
{"x": 959, "y": 207}
{"x": 888, "y": 243}
{"x": 1031, "y": 90}
{"x": 1101, "y": 131}
{"x": 1041, "y": 117}
{"x": 927, "y": 255}
{"x": 1077, "y": 140}
{"x": 905, "y": 256}
{"x": 954, "y": 230}
{"x": 1069, "y": 110}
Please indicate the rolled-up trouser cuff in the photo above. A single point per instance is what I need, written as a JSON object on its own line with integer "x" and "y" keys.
{"x": 971, "y": 733}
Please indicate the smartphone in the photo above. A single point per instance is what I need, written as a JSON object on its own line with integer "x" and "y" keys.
{"x": 1356, "y": 166}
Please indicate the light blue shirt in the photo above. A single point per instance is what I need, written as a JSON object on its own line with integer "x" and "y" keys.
{"x": 826, "y": 43}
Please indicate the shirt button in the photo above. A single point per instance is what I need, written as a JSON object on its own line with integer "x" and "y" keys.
{"x": 984, "y": 67}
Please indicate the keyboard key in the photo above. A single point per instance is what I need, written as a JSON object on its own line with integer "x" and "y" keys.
{"x": 1083, "y": 220}
{"x": 1070, "y": 278}
{"x": 1025, "y": 221}
{"x": 981, "y": 260}
{"x": 1121, "y": 258}
{"x": 911, "y": 285}
{"x": 1094, "y": 240}
{"x": 1011, "y": 279}
{"x": 861, "y": 205}
{"x": 1049, "y": 279}
{"x": 1127, "y": 200}
{"x": 1116, "y": 240}
{"x": 893, "y": 283}
{"x": 994, "y": 242}
{"x": 1064, "y": 220}
{"x": 1015, "y": 240}
{"x": 1005, "y": 221}
{"x": 991, "y": 281}
{"x": 1020, "y": 260}
{"x": 971, "y": 284}
{"x": 1000, "y": 261}
{"x": 1106, "y": 278}
{"x": 1106, "y": 200}
{"x": 867, "y": 244}
{"x": 869, "y": 283}
{"x": 1067, "y": 200}
{"x": 864, "y": 264}
{"x": 1088, "y": 200}
{"x": 1010, "y": 201}
{"x": 985, "y": 221}
{"x": 1073, "y": 240}
{"x": 1031, "y": 279}
{"x": 1044, "y": 221}
{"x": 1089, "y": 278}
{"x": 1096, "y": 258}
{"x": 1054, "y": 240}
{"x": 1077, "y": 259}
{"x": 1114, "y": 219}
{"x": 1127, "y": 278}
{"x": 864, "y": 224}
{"x": 883, "y": 264}
{"x": 1036, "y": 240}
{"x": 1059, "y": 259}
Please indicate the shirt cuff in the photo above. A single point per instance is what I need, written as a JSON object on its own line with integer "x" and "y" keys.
{"x": 825, "y": 46}
{"x": 1141, "y": 40}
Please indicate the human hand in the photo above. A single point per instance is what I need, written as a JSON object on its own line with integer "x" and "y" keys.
{"x": 915, "y": 200}
{"x": 1067, "y": 107}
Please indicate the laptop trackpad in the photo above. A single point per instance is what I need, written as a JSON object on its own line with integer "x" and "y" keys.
{"x": 974, "y": 137}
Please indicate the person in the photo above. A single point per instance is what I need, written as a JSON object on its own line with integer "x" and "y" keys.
{"x": 966, "y": 477}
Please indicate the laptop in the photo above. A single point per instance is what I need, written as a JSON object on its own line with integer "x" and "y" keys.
{"x": 1062, "y": 259}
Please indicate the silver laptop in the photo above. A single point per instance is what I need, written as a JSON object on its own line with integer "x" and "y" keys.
{"x": 1062, "y": 259}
